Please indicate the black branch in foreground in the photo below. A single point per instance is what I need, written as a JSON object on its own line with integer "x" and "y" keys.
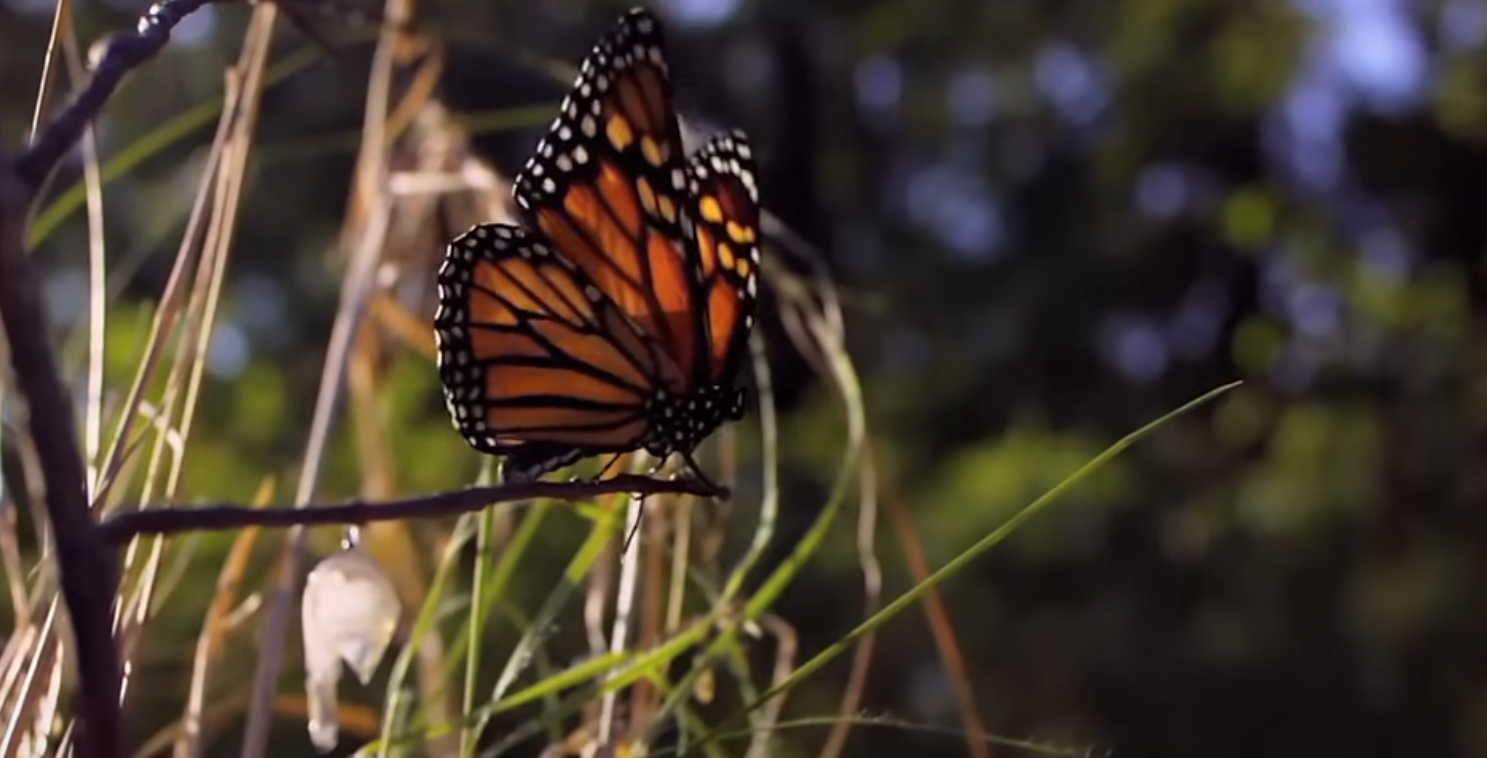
{"x": 120, "y": 528}
{"x": 126, "y": 51}
{"x": 87, "y": 563}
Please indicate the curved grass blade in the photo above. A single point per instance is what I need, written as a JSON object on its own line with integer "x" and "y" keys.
{"x": 975, "y": 551}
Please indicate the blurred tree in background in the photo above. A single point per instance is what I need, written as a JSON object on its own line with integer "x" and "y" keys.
{"x": 1050, "y": 222}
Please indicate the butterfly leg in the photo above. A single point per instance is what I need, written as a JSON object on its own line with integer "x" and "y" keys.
{"x": 718, "y": 490}
{"x": 532, "y": 461}
{"x": 634, "y": 530}
{"x": 613, "y": 460}
{"x": 599, "y": 476}
{"x": 656, "y": 467}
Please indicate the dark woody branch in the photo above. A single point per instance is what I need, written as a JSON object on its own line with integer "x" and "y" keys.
{"x": 86, "y": 565}
{"x": 121, "y": 528}
{"x": 126, "y": 51}
{"x": 86, "y": 561}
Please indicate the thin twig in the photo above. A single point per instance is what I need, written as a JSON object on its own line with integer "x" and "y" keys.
{"x": 125, "y": 51}
{"x": 872, "y": 590}
{"x": 61, "y": 21}
{"x": 86, "y": 567}
{"x": 121, "y": 527}
{"x": 937, "y": 615}
{"x": 761, "y": 745}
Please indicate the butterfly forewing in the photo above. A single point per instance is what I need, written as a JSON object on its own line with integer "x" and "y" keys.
{"x": 607, "y": 185}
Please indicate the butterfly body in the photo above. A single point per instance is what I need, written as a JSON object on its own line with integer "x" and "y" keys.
{"x": 616, "y": 317}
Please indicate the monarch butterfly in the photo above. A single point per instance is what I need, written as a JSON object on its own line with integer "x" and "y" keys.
{"x": 617, "y": 315}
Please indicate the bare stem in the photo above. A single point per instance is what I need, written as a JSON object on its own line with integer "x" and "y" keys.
{"x": 125, "y": 52}
{"x": 120, "y": 528}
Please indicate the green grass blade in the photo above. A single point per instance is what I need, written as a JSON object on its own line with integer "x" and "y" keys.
{"x": 522, "y": 654}
{"x": 475, "y": 622}
{"x": 727, "y": 638}
{"x": 991, "y": 540}
{"x": 497, "y": 580}
{"x": 395, "y": 706}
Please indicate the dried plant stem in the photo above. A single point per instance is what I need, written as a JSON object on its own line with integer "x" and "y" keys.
{"x": 177, "y": 409}
{"x": 936, "y": 614}
{"x": 163, "y": 323}
{"x": 196, "y": 339}
{"x": 372, "y": 176}
{"x": 61, "y": 20}
{"x": 761, "y": 745}
{"x": 644, "y": 696}
{"x": 872, "y": 591}
{"x": 10, "y": 560}
{"x": 188, "y": 741}
{"x": 358, "y": 285}
{"x": 97, "y": 280}
{"x": 624, "y": 606}
{"x": 596, "y": 598}
{"x": 37, "y": 649}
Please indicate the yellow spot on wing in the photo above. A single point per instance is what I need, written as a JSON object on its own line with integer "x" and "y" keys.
{"x": 647, "y": 195}
{"x": 740, "y": 233}
{"x": 654, "y": 153}
{"x": 712, "y": 210}
{"x": 619, "y": 132}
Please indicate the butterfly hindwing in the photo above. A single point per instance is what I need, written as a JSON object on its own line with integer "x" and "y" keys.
{"x": 532, "y": 354}
{"x": 724, "y": 206}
